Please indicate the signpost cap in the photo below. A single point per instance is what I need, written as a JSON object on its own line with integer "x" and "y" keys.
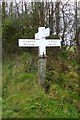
{"x": 41, "y": 28}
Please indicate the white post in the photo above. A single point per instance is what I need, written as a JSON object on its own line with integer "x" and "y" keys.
{"x": 42, "y": 58}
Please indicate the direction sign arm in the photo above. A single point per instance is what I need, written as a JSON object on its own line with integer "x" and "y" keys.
{"x": 46, "y": 32}
{"x": 53, "y": 42}
{"x": 28, "y": 43}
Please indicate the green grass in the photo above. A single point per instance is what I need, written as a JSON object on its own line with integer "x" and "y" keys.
{"x": 0, "y": 89}
{"x": 23, "y": 97}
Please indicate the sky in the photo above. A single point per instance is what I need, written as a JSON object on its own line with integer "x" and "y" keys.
{"x": 48, "y": 0}
{"x": 36, "y": 0}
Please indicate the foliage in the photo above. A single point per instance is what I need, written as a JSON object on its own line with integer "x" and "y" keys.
{"x": 13, "y": 29}
{"x": 10, "y": 35}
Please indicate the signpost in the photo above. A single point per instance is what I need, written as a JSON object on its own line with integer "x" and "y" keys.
{"x": 42, "y": 43}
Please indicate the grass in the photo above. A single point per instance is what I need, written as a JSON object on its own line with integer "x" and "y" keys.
{"x": 23, "y": 97}
{"x": 0, "y": 89}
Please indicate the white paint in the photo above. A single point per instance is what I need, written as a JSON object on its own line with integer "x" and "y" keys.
{"x": 51, "y": 43}
{"x": 28, "y": 43}
{"x": 40, "y": 41}
{"x": 42, "y": 33}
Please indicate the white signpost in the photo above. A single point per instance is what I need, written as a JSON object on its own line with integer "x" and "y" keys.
{"x": 42, "y": 43}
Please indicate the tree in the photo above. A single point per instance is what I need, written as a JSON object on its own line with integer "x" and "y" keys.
{"x": 25, "y": 5}
{"x": 57, "y": 16}
{"x": 76, "y": 23}
{"x": 3, "y": 10}
{"x": 11, "y": 9}
{"x": 42, "y": 14}
{"x": 51, "y": 13}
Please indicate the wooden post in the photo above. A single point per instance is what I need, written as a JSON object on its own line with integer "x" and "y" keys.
{"x": 42, "y": 71}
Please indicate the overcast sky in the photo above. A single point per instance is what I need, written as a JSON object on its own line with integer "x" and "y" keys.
{"x": 49, "y": 0}
{"x": 38, "y": 0}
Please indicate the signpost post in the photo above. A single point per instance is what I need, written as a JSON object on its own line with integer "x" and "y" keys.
{"x": 42, "y": 43}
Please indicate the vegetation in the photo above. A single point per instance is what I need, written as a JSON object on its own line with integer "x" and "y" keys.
{"x": 22, "y": 96}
